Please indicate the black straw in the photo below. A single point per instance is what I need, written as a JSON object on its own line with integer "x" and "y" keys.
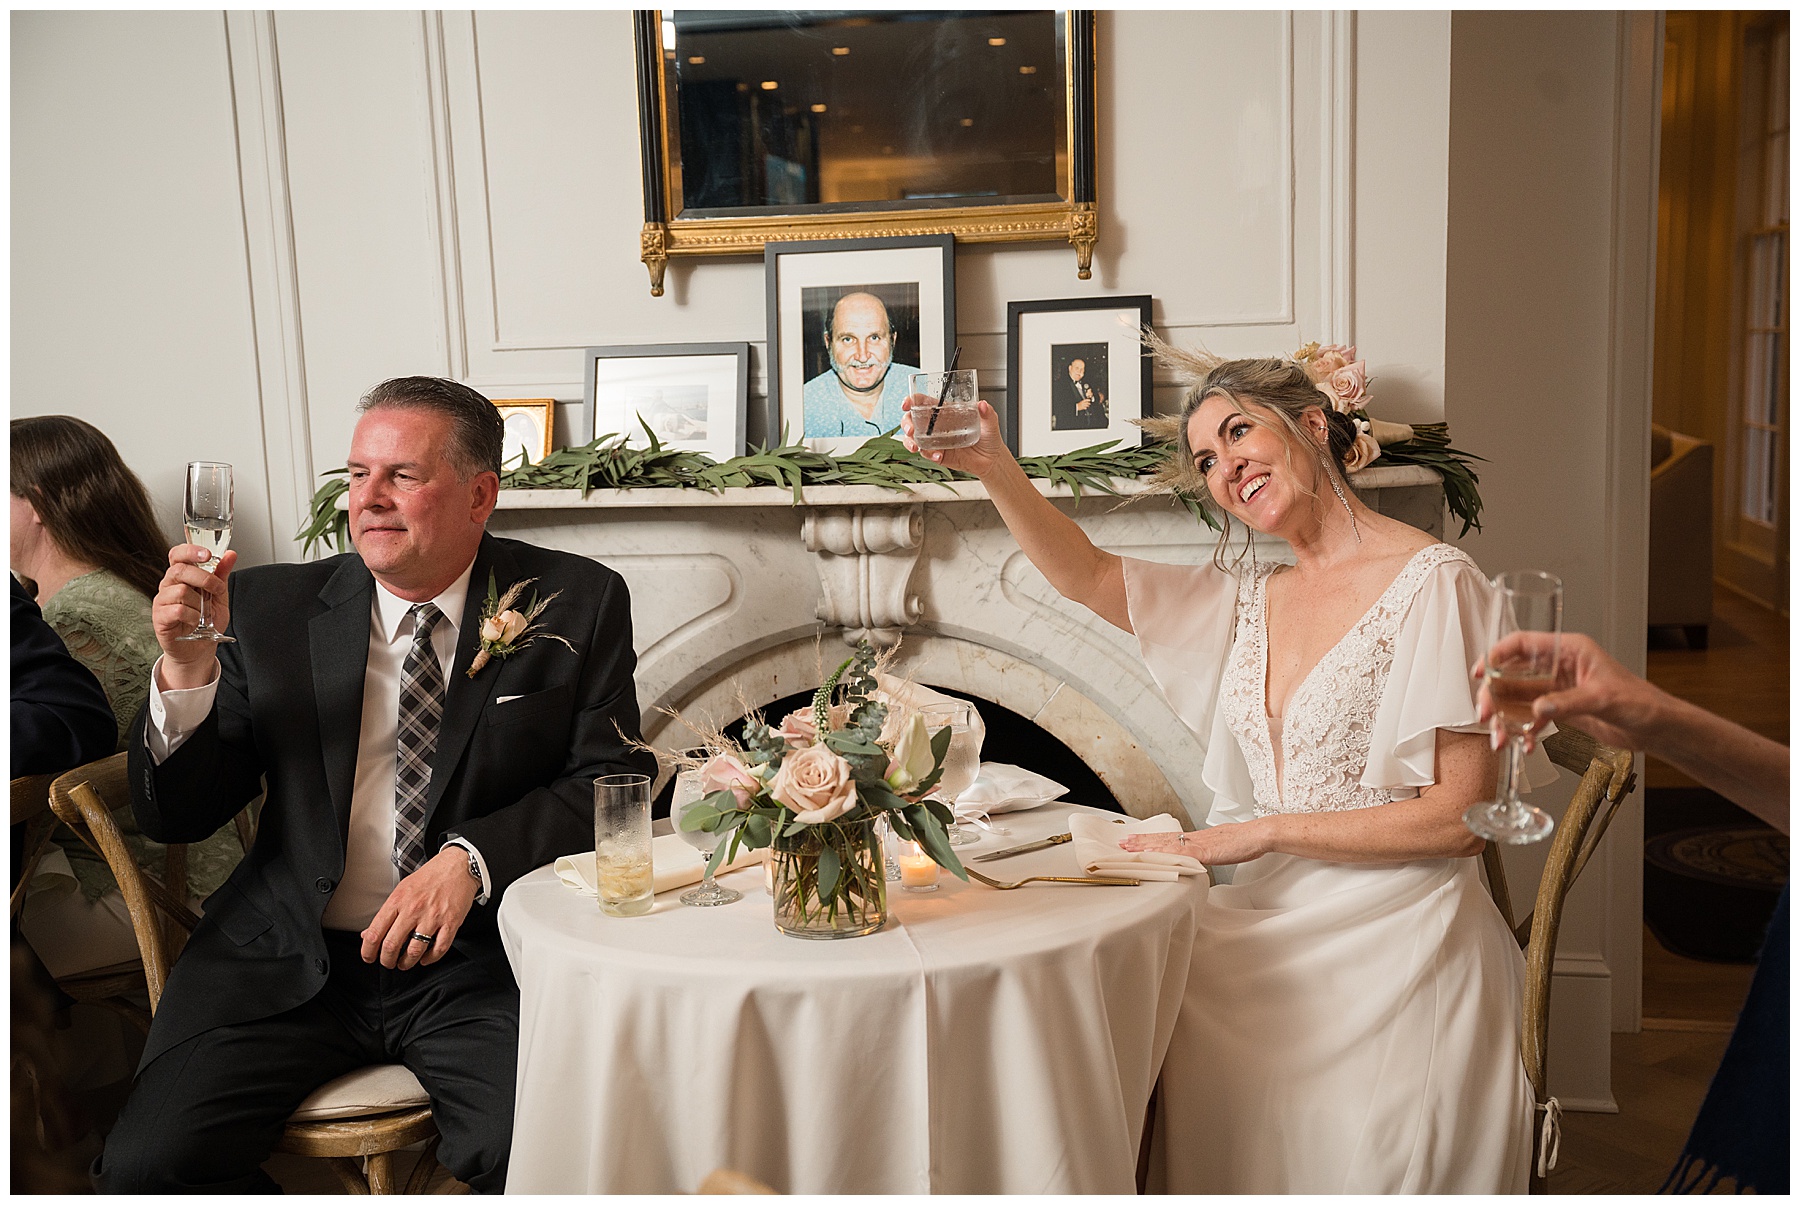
{"x": 944, "y": 390}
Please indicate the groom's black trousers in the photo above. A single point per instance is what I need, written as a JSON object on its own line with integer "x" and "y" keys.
{"x": 207, "y": 1112}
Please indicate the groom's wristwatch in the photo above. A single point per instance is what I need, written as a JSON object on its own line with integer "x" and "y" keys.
{"x": 475, "y": 867}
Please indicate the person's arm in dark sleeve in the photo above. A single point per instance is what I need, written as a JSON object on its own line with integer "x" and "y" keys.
{"x": 60, "y": 716}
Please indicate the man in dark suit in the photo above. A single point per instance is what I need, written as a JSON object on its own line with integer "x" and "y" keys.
{"x": 1075, "y": 404}
{"x": 404, "y": 796}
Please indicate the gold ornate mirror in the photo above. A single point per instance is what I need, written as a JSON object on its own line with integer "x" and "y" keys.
{"x": 775, "y": 126}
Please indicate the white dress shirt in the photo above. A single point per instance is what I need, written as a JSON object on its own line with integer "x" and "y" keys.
{"x": 369, "y": 871}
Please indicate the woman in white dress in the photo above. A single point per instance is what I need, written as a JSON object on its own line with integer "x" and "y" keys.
{"x": 1352, "y": 1015}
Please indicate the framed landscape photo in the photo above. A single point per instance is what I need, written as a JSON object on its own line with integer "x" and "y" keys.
{"x": 1077, "y": 373}
{"x": 694, "y": 396}
{"x": 850, "y": 320}
{"x": 528, "y": 430}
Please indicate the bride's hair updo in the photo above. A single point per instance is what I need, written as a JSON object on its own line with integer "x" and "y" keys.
{"x": 1271, "y": 393}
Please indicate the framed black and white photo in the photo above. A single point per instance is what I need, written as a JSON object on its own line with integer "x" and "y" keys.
{"x": 527, "y": 430}
{"x": 692, "y": 395}
{"x": 850, "y": 321}
{"x": 1077, "y": 373}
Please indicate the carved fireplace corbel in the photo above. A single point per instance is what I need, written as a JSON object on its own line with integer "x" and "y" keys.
{"x": 865, "y": 557}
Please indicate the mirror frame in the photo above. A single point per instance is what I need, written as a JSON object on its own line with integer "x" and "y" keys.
{"x": 663, "y": 238}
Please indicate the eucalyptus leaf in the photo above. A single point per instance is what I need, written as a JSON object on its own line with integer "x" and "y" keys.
{"x": 830, "y": 866}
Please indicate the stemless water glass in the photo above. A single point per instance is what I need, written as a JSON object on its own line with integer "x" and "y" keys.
{"x": 206, "y": 513}
{"x": 1527, "y": 601}
{"x": 689, "y": 792}
{"x": 951, "y": 419}
{"x": 962, "y": 762}
{"x": 623, "y": 870}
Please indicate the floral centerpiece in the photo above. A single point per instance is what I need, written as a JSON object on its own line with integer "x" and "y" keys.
{"x": 811, "y": 789}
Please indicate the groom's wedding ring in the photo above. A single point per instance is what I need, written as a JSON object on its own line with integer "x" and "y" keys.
{"x": 424, "y": 937}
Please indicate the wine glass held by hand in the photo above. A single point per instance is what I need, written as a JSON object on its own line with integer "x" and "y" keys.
{"x": 1517, "y": 674}
{"x": 207, "y": 513}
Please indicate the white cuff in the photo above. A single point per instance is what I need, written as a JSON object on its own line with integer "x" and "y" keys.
{"x": 175, "y": 714}
{"x": 480, "y": 864}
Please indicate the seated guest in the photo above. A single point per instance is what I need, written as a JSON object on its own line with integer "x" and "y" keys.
{"x": 407, "y": 789}
{"x": 83, "y": 531}
{"x": 1351, "y": 1019}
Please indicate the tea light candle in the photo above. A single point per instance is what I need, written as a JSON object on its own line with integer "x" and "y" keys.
{"x": 917, "y": 871}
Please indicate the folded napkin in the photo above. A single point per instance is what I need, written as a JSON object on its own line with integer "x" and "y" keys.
{"x": 1003, "y": 788}
{"x": 1096, "y": 846}
{"x": 897, "y": 692}
{"x": 676, "y": 863}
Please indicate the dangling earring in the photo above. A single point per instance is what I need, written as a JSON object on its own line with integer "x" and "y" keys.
{"x": 1337, "y": 489}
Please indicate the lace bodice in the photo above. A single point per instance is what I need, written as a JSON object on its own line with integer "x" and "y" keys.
{"x": 1325, "y": 732}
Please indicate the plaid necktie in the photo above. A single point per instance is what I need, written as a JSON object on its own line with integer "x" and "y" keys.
{"x": 421, "y": 709}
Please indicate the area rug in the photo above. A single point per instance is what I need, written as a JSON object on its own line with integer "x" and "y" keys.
{"x": 1712, "y": 874}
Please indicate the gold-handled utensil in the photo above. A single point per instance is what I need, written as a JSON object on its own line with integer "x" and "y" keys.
{"x": 1028, "y": 847}
{"x": 997, "y": 885}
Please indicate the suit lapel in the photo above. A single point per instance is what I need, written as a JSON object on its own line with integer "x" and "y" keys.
{"x": 338, "y": 640}
{"x": 465, "y": 698}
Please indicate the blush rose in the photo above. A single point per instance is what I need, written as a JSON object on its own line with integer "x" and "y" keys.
{"x": 815, "y": 783}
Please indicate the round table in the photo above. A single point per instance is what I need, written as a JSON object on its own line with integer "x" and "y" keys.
{"x": 983, "y": 1041}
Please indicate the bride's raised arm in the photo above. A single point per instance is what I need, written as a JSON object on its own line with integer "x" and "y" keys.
{"x": 1055, "y": 543}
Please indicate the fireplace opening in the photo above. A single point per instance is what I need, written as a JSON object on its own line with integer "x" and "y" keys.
{"x": 1010, "y": 738}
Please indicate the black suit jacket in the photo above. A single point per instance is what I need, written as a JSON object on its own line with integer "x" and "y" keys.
{"x": 60, "y": 716}
{"x": 514, "y": 778}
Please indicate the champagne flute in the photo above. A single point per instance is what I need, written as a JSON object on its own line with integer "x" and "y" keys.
{"x": 1529, "y": 601}
{"x": 206, "y": 514}
{"x": 689, "y": 792}
{"x": 962, "y": 761}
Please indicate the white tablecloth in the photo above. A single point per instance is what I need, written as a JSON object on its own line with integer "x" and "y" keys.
{"x": 983, "y": 1041}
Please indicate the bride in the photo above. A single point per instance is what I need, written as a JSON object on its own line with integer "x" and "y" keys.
{"x": 1351, "y": 1020}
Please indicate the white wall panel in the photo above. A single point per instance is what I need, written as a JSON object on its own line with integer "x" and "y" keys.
{"x": 362, "y": 182}
{"x": 129, "y": 289}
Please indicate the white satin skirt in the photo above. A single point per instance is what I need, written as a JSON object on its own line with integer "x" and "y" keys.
{"x": 1348, "y": 1028}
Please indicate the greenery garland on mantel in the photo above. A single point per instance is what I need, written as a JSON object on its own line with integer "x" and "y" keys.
{"x": 611, "y": 462}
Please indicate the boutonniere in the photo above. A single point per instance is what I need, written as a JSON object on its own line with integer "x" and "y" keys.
{"x": 505, "y": 631}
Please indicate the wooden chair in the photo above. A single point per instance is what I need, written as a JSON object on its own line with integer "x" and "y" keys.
{"x": 1606, "y": 779}
{"x": 31, "y": 807}
{"x": 356, "y": 1121}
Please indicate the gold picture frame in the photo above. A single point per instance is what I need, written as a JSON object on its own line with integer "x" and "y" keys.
{"x": 529, "y": 429}
{"x": 674, "y": 229}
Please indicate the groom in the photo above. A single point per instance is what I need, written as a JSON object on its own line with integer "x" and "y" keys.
{"x": 403, "y": 796}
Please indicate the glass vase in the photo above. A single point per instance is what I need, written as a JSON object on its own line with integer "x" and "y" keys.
{"x": 829, "y": 881}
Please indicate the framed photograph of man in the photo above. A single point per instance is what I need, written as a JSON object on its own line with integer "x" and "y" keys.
{"x": 850, "y": 320}
{"x": 527, "y": 430}
{"x": 1077, "y": 373}
{"x": 694, "y": 396}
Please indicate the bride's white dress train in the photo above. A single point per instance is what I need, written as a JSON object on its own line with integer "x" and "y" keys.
{"x": 1347, "y": 1027}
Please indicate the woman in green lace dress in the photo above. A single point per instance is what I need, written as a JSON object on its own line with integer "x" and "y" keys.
{"x": 84, "y": 536}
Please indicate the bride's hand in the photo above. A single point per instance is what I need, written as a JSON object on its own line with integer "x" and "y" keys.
{"x": 1221, "y": 845}
{"x": 987, "y": 453}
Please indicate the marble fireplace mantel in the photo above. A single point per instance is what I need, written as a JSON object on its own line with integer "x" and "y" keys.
{"x": 743, "y": 597}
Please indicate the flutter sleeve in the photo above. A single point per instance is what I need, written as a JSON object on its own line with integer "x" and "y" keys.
{"x": 1443, "y": 634}
{"x": 1185, "y": 618}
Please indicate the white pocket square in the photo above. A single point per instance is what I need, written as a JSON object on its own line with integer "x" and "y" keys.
{"x": 506, "y": 699}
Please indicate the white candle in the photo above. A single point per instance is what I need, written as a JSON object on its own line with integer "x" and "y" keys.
{"x": 917, "y": 871}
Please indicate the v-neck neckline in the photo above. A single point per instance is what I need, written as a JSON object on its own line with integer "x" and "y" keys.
{"x": 1278, "y": 748}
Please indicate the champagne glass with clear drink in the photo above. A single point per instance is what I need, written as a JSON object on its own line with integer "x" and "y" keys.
{"x": 962, "y": 762}
{"x": 1528, "y": 601}
{"x": 206, "y": 514}
{"x": 688, "y": 793}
